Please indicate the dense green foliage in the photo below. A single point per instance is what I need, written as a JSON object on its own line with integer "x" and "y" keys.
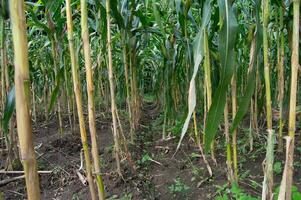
{"x": 188, "y": 57}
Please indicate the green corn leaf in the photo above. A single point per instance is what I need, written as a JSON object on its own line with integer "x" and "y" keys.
{"x": 245, "y": 100}
{"x": 227, "y": 39}
{"x": 179, "y": 9}
{"x": 103, "y": 26}
{"x": 178, "y": 5}
{"x": 116, "y": 14}
{"x": 158, "y": 18}
{"x": 249, "y": 91}
{"x": 53, "y": 99}
{"x": 145, "y": 21}
{"x": 8, "y": 110}
{"x": 251, "y": 82}
{"x": 55, "y": 92}
{"x": 37, "y": 23}
{"x": 198, "y": 52}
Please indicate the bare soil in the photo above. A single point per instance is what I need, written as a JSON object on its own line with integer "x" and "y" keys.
{"x": 157, "y": 169}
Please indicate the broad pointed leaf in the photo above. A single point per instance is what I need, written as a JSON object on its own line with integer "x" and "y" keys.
{"x": 227, "y": 39}
{"x": 198, "y": 52}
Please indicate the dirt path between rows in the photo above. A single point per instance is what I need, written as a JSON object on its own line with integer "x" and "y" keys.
{"x": 160, "y": 176}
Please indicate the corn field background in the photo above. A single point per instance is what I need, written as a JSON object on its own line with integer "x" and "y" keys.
{"x": 150, "y": 99}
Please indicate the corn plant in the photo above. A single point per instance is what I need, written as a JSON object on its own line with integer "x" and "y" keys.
{"x": 229, "y": 65}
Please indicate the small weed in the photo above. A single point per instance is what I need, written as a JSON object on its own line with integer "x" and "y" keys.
{"x": 296, "y": 195}
{"x": 179, "y": 188}
{"x": 127, "y": 196}
{"x": 75, "y": 197}
{"x": 149, "y": 98}
{"x": 42, "y": 165}
{"x": 235, "y": 193}
{"x": 277, "y": 168}
{"x": 255, "y": 184}
{"x": 245, "y": 174}
{"x": 195, "y": 169}
{"x": 145, "y": 159}
{"x": 109, "y": 149}
{"x": 297, "y": 164}
{"x": 298, "y": 149}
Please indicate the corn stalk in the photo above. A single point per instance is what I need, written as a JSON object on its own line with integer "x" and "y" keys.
{"x": 288, "y": 173}
{"x": 112, "y": 89}
{"x": 22, "y": 87}
{"x": 78, "y": 96}
{"x": 90, "y": 89}
{"x": 267, "y": 190}
{"x": 280, "y": 77}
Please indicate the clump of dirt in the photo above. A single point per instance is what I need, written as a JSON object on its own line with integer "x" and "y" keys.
{"x": 69, "y": 145}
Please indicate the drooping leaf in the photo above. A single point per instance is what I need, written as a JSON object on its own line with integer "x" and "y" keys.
{"x": 251, "y": 82}
{"x": 198, "y": 53}
{"x": 227, "y": 39}
{"x": 249, "y": 91}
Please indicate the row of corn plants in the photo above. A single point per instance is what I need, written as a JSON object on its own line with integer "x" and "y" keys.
{"x": 223, "y": 63}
